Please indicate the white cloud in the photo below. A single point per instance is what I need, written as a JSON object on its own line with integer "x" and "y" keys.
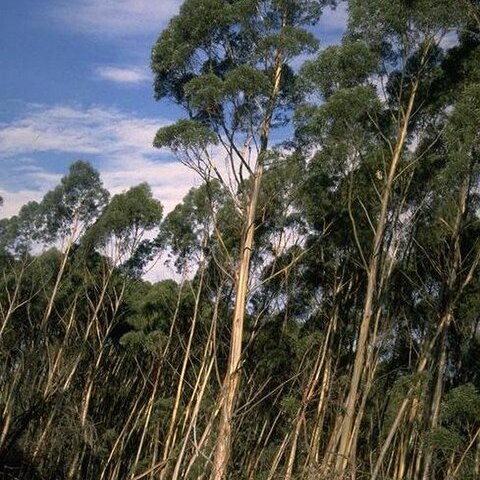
{"x": 23, "y": 180}
{"x": 170, "y": 181}
{"x": 95, "y": 130}
{"x": 120, "y": 145}
{"x": 14, "y": 200}
{"x": 115, "y": 17}
{"x": 123, "y": 75}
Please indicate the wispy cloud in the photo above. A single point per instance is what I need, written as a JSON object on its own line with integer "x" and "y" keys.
{"x": 63, "y": 128}
{"x": 14, "y": 200}
{"x": 170, "y": 181}
{"x": 120, "y": 144}
{"x": 115, "y": 17}
{"x": 122, "y": 75}
{"x": 22, "y": 181}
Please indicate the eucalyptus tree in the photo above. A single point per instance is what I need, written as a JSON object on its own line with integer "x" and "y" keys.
{"x": 374, "y": 85}
{"x": 441, "y": 263}
{"x": 58, "y": 220}
{"x": 66, "y": 212}
{"x": 227, "y": 64}
{"x": 34, "y": 346}
{"x": 189, "y": 229}
{"x": 120, "y": 229}
{"x": 460, "y": 265}
{"x": 73, "y": 205}
{"x": 447, "y": 239}
{"x": 117, "y": 233}
{"x": 52, "y": 367}
{"x": 112, "y": 241}
{"x": 20, "y": 232}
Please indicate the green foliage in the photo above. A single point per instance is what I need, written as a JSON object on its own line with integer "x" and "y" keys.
{"x": 461, "y": 406}
{"x": 217, "y": 59}
{"x": 340, "y": 66}
{"x": 185, "y": 134}
{"x": 125, "y": 220}
{"x": 20, "y": 231}
{"x": 66, "y": 211}
{"x": 77, "y": 201}
{"x": 385, "y": 21}
{"x": 445, "y": 440}
{"x": 93, "y": 390}
{"x": 186, "y": 230}
{"x": 246, "y": 79}
{"x": 290, "y": 406}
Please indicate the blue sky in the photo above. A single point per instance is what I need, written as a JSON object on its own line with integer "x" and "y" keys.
{"x": 76, "y": 84}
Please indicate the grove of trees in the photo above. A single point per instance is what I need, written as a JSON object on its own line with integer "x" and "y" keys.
{"x": 324, "y": 321}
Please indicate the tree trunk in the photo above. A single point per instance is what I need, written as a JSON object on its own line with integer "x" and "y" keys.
{"x": 342, "y": 452}
{"x": 233, "y": 375}
{"x": 232, "y": 380}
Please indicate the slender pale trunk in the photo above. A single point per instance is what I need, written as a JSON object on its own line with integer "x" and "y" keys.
{"x": 7, "y": 421}
{"x": 314, "y": 450}
{"x": 91, "y": 323}
{"x": 192, "y": 425}
{"x": 91, "y": 378}
{"x": 477, "y": 459}
{"x": 276, "y": 461}
{"x": 63, "y": 264}
{"x": 170, "y": 439}
{"x": 7, "y": 414}
{"x": 89, "y": 390}
{"x": 412, "y": 401}
{"x": 386, "y": 444}
{"x": 43, "y": 436}
{"x": 445, "y": 320}
{"x": 12, "y": 300}
{"x": 53, "y": 295}
{"x": 436, "y": 401}
{"x": 155, "y": 449}
{"x": 194, "y": 406}
{"x": 399, "y": 461}
{"x": 232, "y": 381}
{"x": 309, "y": 393}
{"x": 148, "y": 415}
{"x": 256, "y": 452}
{"x": 294, "y": 445}
{"x": 263, "y": 440}
{"x": 59, "y": 356}
{"x": 233, "y": 375}
{"x": 73, "y": 467}
{"x": 121, "y": 436}
{"x": 346, "y": 429}
{"x": 454, "y": 469}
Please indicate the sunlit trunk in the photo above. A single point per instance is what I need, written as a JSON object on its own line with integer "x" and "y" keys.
{"x": 232, "y": 379}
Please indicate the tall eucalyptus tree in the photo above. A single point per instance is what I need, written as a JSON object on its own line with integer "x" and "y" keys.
{"x": 227, "y": 64}
{"x": 374, "y": 85}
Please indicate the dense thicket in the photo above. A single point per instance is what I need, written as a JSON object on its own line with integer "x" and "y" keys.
{"x": 324, "y": 321}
